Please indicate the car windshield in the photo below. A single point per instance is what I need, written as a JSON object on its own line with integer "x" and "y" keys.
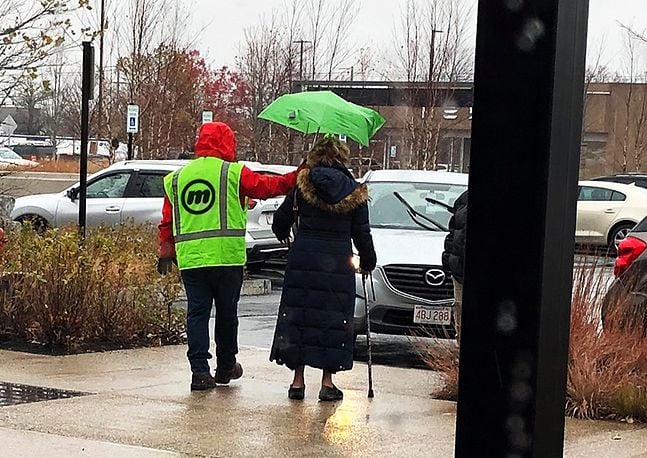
{"x": 6, "y": 153}
{"x": 387, "y": 211}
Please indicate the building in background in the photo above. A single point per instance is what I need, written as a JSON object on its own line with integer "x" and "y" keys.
{"x": 415, "y": 136}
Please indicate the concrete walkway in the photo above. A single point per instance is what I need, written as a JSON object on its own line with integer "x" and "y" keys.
{"x": 141, "y": 406}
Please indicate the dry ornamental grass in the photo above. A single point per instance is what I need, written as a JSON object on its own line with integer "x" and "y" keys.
{"x": 103, "y": 294}
{"x": 607, "y": 368}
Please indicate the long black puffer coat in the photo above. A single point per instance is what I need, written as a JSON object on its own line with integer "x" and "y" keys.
{"x": 315, "y": 322}
{"x": 454, "y": 254}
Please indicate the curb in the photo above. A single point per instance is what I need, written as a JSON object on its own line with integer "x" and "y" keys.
{"x": 256, "y": 287}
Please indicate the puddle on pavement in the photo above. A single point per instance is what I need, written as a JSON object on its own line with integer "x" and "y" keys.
{"x": 12, "y": 394}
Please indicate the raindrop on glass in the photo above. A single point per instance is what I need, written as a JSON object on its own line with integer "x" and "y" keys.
{"x": 533, "y": 30}
{"x": 514, "y": 5}
{"x": 507, "y": 317}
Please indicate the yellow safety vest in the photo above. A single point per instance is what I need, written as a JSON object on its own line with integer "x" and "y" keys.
{"x": 208, "y": 220}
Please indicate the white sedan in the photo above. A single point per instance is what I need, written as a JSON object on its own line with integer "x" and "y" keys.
{"x": 10, "y": 160}
{"x": 607, "y": 212}
{"x": 133, "y": 191}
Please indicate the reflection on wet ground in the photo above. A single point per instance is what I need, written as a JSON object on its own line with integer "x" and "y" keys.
{"x": 12, "y": 394}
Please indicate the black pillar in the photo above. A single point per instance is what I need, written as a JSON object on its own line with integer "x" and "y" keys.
{"x": 87, "y": 89}
{"x": 130, "y": 146}
{"x": 528, "y": 99}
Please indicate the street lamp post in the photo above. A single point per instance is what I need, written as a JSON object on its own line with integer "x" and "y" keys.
{"x": 301, "y": 44}
{"x": 432, "y": 59}
{"x": 87, "y": 93}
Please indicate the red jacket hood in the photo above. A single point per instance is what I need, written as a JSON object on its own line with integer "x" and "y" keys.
{"x": 216, "y": 139}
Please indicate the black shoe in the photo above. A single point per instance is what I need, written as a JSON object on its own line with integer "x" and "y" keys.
{"x": 297, "y": 393}
{"x": 202, "y": 381}
{"x": 328, "y": 393}
{"x": 223, "y": 377}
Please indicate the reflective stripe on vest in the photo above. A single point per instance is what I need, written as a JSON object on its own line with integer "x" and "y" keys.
{"x": 204, "y": 235}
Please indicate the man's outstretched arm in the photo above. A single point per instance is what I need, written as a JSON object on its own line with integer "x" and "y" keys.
{"x": 258, "y": 186}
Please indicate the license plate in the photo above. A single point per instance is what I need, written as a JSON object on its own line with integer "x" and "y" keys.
{"x": 425, "y": 314}
{"x": 269, "y": 217}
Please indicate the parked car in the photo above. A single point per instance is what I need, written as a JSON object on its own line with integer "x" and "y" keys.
{"x": 412, "y": 290}
{"x": 607, "y": 212}
{"x": 133, "y": 191}
{"x": 639, "y": 179}
{"x": 627, "y": 295}
{"x": 10, "y": 160}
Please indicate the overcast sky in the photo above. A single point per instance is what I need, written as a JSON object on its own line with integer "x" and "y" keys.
{"x": 224, "y": 22}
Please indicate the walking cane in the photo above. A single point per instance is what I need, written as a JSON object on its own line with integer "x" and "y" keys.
{"x": 371, "y": 394}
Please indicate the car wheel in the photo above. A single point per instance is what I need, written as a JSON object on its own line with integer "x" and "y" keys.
{"x": 619, "y": 233}
{"x": 38, "y": 223}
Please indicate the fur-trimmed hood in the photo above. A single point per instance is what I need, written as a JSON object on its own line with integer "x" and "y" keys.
{"x": 331, "y": 189}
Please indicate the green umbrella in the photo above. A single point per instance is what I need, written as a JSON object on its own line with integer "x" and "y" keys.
{"x": 324, "y": 112}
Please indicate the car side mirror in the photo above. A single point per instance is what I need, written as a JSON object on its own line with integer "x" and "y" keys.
{"x": 72, "y": 194}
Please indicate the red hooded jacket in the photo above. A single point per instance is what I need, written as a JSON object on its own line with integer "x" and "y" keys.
{"x": 216, "y": 139}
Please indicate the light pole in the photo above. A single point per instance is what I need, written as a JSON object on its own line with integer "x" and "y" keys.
{"x": 301, "y": 44}
{"x": 432, "y": 58}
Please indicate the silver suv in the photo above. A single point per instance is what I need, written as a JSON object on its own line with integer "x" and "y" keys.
{"x": 409, "y": 217}
{"x": 133, "y": 191}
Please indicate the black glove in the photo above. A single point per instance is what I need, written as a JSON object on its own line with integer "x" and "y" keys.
{"x": 164, "y": 265}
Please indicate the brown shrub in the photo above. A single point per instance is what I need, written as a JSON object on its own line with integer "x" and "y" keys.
{"x": 607, "y": 368}
{"x": 441, "y": 356}
{"x": 104, "y": 292}
{"x": 65, "y": 166}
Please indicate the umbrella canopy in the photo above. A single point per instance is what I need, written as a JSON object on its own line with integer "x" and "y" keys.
{"x": 324, "y": 112}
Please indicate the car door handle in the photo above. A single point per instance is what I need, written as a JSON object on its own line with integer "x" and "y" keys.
{"x": 113, "y": 209}
{"x": 609, "y": 210}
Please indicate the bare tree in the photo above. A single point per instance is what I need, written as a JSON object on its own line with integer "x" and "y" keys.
{"x": 319, "y": 20}
{"x": 328, "y": 26}
{"x": 30, "y": 31}
{"x": 30, "y": 95}
{"x": 341, "y": 21}
{"x": 636, "y": 34}
{"x": 596, "y": 72}
{"x": 154, "y": 46}
{"x": 365, "y": 63}
{"x": 633, "y": 141}
{"x": 418, "y": 47}
{"x": 430, "y": 47}
{"x": 408, "y": 38}
{"x": 265, "y": 65}
{"x": 53, "y": 105}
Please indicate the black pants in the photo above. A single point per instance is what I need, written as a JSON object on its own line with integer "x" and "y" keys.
{"x": 204, "y": 286}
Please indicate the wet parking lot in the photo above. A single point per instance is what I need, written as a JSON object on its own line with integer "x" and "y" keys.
{"x": 257, "y": 315}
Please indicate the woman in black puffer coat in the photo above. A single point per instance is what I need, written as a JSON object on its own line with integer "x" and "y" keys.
{"x": 315, "y": 323}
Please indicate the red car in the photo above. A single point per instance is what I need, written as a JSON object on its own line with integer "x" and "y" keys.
{"x": 628, "y": 292}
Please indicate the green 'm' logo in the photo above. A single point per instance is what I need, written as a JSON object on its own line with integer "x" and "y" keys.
{"x": 198, "y": 197}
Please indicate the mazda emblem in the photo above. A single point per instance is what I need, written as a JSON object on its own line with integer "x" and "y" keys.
{"x": 435, "y": 277}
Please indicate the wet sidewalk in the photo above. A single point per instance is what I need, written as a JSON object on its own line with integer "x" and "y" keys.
{"x": 140, "y": 405}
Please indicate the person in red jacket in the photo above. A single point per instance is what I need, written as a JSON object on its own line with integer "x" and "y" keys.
{"x": 219, "y": 284}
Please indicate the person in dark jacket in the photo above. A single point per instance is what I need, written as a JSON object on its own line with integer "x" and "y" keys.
{"x": 315, "y": 322}
{"x": 454, "y": 255}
